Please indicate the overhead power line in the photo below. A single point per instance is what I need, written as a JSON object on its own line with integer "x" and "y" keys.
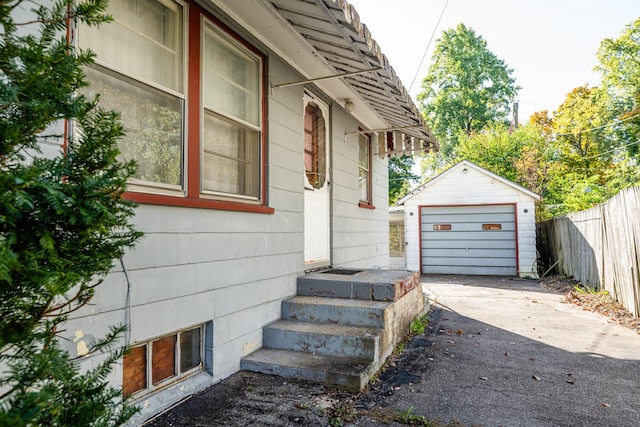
{"x": 618, "y": 121}
{"x": 424, "y": 55}
{"x": 612, "y": 150}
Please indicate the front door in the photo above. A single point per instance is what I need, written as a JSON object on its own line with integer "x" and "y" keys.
{"x": 316, "y": 183}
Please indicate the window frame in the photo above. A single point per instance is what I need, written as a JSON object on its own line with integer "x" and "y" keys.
{"x": 367, "y": 204}
{"x": 190, "y": 193}
{"x": 152, "y": 386}
{"x": 316, "y": 142}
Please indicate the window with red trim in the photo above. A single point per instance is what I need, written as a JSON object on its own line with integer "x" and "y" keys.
{"x": 364, "y": 170}
{"x": 191, "y": 96}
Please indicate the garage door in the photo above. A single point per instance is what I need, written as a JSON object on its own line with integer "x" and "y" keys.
{"x": 469, "y": 240}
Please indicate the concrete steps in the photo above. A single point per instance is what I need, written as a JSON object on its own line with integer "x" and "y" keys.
{"x": 336, "y": 372}
{"x": 340, "y": 328}
{"x": 335, "y": 310}
{"x": 323, "y": 338}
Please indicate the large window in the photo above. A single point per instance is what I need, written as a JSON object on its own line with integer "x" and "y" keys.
{"x": 141, "y": 74}
{"x": 190, "y": 93}
{"x": 364, "y": 170}
{"x": 163, "y": 360}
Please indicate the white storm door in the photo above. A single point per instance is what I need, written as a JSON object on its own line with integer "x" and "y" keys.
{"x": 317, "y": 247}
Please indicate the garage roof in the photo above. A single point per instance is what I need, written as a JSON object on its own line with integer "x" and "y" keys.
{"x": 467, "y": 164}
{"x": 323, "y": 38}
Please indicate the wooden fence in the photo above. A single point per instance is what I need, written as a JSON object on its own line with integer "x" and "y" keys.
{"x": 600, "y": 247}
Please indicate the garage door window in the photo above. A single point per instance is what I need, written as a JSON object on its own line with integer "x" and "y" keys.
{"x": 492, "y": 226}
{"x": 441, "y": 227}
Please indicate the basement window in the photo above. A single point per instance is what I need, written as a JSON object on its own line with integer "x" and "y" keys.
{"x": 162, "y": 361}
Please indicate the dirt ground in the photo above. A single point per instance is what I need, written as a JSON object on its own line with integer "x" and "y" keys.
{"x": 252, "y": 399}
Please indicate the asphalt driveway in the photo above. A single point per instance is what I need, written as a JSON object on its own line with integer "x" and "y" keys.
{"x": 498, "y": 352}
{"x": 505, "y": 352}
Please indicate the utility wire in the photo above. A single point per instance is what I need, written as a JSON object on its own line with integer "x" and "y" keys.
{"x": 618, "y": 121}
{"x": 612, "y": 150}
{"x": 428, "y": 45}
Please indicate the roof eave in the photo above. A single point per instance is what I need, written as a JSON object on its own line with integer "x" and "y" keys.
{"x": 326, "y": 37}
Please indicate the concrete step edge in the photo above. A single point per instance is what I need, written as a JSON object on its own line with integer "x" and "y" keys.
{"x": 336, "y": 372}
{"x": 335, "y": 311}
{"x": 332, "y": 329}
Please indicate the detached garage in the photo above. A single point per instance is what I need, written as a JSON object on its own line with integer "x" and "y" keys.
{"x": 468, "y": 220}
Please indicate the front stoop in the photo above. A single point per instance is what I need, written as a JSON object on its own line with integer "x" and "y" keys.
{"x": 340, "y": 328}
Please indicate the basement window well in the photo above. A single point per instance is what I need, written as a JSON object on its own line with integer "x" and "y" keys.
{"x": 158, "y": 362}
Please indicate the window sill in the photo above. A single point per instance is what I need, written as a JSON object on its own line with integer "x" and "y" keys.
{"x": 187, "y": 202}
{"x": 366, "y": 205}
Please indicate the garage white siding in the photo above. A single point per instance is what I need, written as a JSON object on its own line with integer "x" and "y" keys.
{"x": 474, "y": 240}
{"x": 468, "y": 186}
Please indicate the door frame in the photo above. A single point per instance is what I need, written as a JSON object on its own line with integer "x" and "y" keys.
{"x": 310, "y": 96}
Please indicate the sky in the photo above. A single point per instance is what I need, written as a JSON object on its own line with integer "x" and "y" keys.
{"x": 550, "y": 44}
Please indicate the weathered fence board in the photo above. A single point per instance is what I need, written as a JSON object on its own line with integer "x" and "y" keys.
{"x": 600, "y": 247}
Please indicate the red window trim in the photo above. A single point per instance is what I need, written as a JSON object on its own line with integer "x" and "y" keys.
{"x": 192, "y": 141}
{"x": 195, "y": 202}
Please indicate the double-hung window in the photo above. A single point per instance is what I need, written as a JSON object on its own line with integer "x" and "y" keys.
{"x": 191, "y": 96}
{"x": 232, "y": 117}
{"x": 140, "y": 72}
{"x": 364, "y": 171}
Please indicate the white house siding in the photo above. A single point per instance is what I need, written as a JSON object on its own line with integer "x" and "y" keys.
{"x": 231, "y": 270}
{"x": 473, "y": 188}
{"x": 360, "y": 236}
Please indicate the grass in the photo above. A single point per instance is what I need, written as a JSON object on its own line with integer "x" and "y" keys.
{"x": 419, "y": 325}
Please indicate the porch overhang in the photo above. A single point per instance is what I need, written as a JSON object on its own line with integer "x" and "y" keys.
{"x": 327, "y": 44}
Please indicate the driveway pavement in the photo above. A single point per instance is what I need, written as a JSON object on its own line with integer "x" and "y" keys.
{"x": 498, "y": 352}
{"x": 507, "y": 352}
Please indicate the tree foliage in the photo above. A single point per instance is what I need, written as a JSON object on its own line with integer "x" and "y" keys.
{"x": 62, "y": 219}
{"x": 520, "y": 156}
{"x": 466, "y": 88}
{"x": 400, "y": 177}
{"x": 578, "y": 156}
{"x": 620, "y": 69}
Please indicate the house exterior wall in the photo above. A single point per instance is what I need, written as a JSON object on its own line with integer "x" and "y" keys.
{"x": 228, "y": 270}
{"x": 360, "y": 236}
{"x": 473, "y": 188}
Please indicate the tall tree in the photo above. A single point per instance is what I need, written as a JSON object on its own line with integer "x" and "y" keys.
{"x": 620, "y": 68}
{"x": 518, "y": 155}
{"x": 62, "y": 219}
{"x": 466, "y": 88}
{"x": 400, "y": 177}
{"x": 580, "y": 127}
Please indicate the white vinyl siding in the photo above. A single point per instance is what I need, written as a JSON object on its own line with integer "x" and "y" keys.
{"x": 360, "y": 237}
{"x": 232, "y": 269}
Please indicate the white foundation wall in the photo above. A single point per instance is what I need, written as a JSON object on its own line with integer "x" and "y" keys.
{"x": 473, "y": 188}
